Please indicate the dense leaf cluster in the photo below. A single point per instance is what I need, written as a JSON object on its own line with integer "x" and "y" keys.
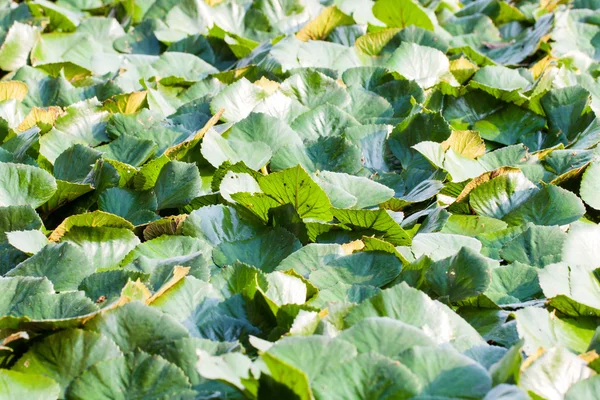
{"x": 299, "y": 199}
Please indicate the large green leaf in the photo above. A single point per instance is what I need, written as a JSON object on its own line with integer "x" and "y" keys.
{"x": 385, "y": 336}
{"x": 104, "y": 246}
{"x": 238, "y": 100}
{"x": 157, "y": 257}
{"x": 551, "y": 375}
{"x": 580, "y": 248}
{"x": 402, "y": 302}
{"x": 218, "y": 224}
{"x": 66, "y": 355}
{"x": 64, "y": 264}
{"x": 402, "y": 13}
{"x": 265, "y": 251}
{"x": 17, "y": 44}
{"x": 424, "y": 65}
{"x": 466, "y": 274}
{"x": 573, "y": 290}
{"x": 378, "y": 222}
{"x": 497, "y": 197}
{"x": 539, "y": 328}
{"x": 136, "y": 325}
{"x": 551, "y": 205}
{"x": 19, "y": 385}
{"x": 347, "y": 191}
{"x": 136, "y": 374}
{"x": 203, "y": 312}
{"x": 444, "y": 371}
{"x": 371, "y": 376}
{"x": 590, "y": 185}
{"x": 177, "y": 184}
{"x": 294, "y": 186}
{"x": 25, "y": 185}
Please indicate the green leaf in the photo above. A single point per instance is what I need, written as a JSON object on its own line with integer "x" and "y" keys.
{"x": 402, "y": 13}
{"x": 177, "y": 184}
{"x": 314, "y": 355}
{"x": 579, "y": 248}
{"x": 501, "y": 82}
{"x": 551, "y": 205}
{"x": 563, "y": 108}
{"x": 61, "y": 19}
{"x": 590, "y": 186}
{"x": 25, "y": 185}
{"x": 385, "y": 336}
{"x": 264, "y": 252}
{"x": 366, "y": 268}
{"x": 238, "y": 100}
{"x": 105, "y": 247}
{"x": 313, "y": 89}
{"x": 378, "y": 222}
{"x": 438, "y": 246}
{"x": 551, "y": 375}
{"x": 369, "y": 376}
{"x": 129, "y": 150}
{"x": 64, "y": 264}
{"x": 27, "y": 241}
{"x": 347, "y": 191}
{"x": 537, "y": 246}
{"x": 160, "y": 255}
{"x": 587, "y": 388}
{"x": 539, "y": 328}
{"x": 573, "y": 290}
{"x": 424, "y": 65}
{"x": 136, "y": 374}
{"x": 422, "y": 127}
{"x": 283, "y": 380}
{"x": 104, "y": 288}
{"x": 409, "y": 306}
{"x": 65, "y": 355}
{"x": 177, "y": 68}
{"x": 502, "y": 194}
{"x": 294, "y": 186}
{"x": 464, "y": 275}
{"x": 218, "y": 224}
{"x": 222, "y": 320}
{"x": 137, "y": 207}
{"x": 513, "y": 283}
{"x": 18, "y": 385}
{"x": 136, "y": 325}
{"x": 320, "y": 27}
{"x": 446, "y": 372}
{"x": 17, "y": 44}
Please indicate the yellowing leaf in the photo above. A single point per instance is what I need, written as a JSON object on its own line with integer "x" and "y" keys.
{"x": 467, "y": 143}
{"x": 128, "y": 103}
{"x": 351, "y": 247}
{"x": 539, "y": 67}
{"x": 488, "y": 176}
{"x": 92, "y": 219}
{"x": 179, "y": 273}
{"x": 232, "y": 75}
{"x": 372, "y": 43}
{"x": 320, "y": 27}
{"x": 166, "y": 226}
{"x": 267, "y": 84}
{"x": 178, "y": 151}
{"x": 13, "y": 90}
{"x": 134, "y": 291}
{"x": 42, "y": 117}
{"x": 462, "y": 69}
